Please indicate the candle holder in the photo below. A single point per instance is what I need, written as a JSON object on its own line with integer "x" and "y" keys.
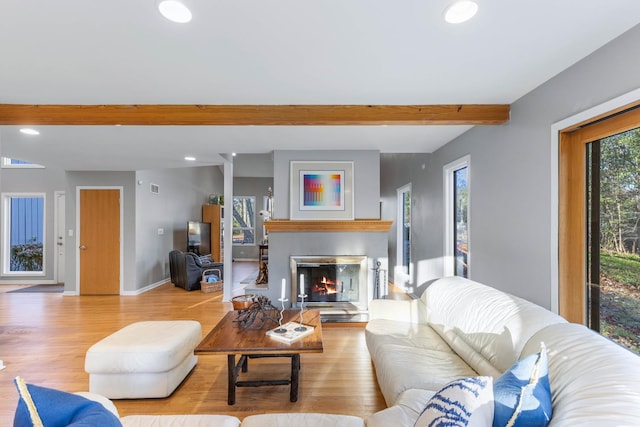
{"x": 280, "y": 329}
{"x": 301, "y": 327}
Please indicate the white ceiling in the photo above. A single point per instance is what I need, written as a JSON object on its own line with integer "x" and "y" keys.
{"x": 277, "y": 52}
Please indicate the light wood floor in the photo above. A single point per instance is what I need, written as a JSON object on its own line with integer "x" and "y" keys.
{"x": 44, "y": 337}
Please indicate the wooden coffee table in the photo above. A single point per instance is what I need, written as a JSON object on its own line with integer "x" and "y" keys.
{"x": 227, "y": 337}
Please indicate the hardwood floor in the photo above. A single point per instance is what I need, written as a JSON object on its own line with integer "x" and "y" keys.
{"x": 44, "y": 337}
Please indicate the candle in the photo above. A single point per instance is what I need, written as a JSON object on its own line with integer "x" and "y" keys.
{"x": 284, "y": 284}
{"x": 301, "y": 284}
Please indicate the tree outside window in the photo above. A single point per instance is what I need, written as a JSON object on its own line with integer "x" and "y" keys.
{"x": 244, "y": 220}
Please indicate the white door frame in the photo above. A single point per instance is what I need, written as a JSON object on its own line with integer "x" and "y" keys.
{"x": 449, "y": 224}
{"x": 59, "y": 233}
{"x": 401, "y": 277}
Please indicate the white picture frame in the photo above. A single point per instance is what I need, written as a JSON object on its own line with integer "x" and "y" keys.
{"x": 321, "y": 190}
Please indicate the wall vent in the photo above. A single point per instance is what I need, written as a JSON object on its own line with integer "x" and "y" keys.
{"x": 154, "y": 188}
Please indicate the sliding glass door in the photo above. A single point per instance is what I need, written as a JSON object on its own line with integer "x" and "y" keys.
{"x": 613, "y": 237}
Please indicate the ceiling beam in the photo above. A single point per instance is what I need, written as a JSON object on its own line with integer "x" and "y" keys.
{"x": 259, "y": 115}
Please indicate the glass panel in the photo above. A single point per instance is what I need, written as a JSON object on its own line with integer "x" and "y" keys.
{"x": 19, "y": 162}
{"x": 614, "y": 238}
{"x": 26, "y": 234}
{"x": 244, "y": 220}
{"x": 406, "y": 231}
{"x": 460, "y": 211}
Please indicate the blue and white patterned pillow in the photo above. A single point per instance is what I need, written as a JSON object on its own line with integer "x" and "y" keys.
{"x": 523, "y": 393}
{"x": 463, "y": 402}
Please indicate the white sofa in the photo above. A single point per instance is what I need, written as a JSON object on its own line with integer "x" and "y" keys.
{"x": 460, "y": 328}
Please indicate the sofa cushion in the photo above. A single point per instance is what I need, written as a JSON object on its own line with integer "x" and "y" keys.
{"x": 302, "y": 419}
{"x": 405, "y": 412}
{"x": 39, "y": 406}
{"x": 413, "y": 310}
{"x": 486, "y": 327}
{"x": 399, "y": 368}
{"x": 594, "y": 382}
{"x": 180, "y": 420}
{"x": 463, "y": 402}
{"x": 523, "y": 395}
{"x": 382, "y": 332}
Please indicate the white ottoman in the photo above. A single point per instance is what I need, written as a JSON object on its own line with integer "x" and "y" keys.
{"x": 143, "y": 360}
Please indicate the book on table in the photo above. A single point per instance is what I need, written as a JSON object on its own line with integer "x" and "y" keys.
{"x": 290, "y": 334}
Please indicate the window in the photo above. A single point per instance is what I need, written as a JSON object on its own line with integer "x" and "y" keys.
{"x": 598, "y": 217}
{"x": 244, "y": 220}
{"x": 456, "y": 193}
{"x": 15, "y": 163}
{"x": 23, "y": 233}
{"x": 403, "y": 239}
{"x": 613, "y": 238}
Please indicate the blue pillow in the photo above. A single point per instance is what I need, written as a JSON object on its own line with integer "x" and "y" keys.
{"x": 39, "y": 406}
{"x": 464, "y": 402}
{"x": 522, "y": 395}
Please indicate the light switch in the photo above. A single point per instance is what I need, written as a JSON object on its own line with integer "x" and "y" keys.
{"x": 160, "y": 231}
{"x": 70, "y": 232}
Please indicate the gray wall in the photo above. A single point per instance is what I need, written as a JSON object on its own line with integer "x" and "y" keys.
{"x": 145, "y": 253}
{"x": 183, "y": 191}
{"x": 366, "y": 176}
{"x": 256, "y": 187}
{"x": 46, "y": 181}
{"x": 253, "y": 165}
{"x": 510, "y": 204}
{"x": 397, "y": 170}
{"x": 366, "y": 171}
{"x": 126, "y": 180}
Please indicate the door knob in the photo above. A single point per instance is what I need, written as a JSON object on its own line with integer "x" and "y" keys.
{"x": 83, "y": 248}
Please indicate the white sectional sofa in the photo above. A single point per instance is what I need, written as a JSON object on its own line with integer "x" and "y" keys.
{"x": 460, "y": 328}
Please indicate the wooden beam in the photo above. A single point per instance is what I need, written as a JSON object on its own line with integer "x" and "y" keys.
{"x": 260, "y": 115}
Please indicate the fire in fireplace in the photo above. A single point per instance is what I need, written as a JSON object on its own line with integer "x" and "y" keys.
{"x": 329, "y": 281}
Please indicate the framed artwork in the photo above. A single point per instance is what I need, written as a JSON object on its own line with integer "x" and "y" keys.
{"x": 321, "y": 190}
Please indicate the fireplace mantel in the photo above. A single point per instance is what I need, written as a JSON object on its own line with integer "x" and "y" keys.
{"x": 357, "y": 225}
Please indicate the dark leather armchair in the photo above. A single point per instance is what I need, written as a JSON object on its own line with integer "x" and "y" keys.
{"x": 186, "y": 269}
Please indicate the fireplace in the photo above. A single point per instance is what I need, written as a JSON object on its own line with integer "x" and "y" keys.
{"x": 337, "y": 283}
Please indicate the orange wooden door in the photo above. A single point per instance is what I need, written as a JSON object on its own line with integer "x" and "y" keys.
{"x": 99, "y": 242}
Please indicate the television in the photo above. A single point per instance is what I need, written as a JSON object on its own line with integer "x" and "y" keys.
{"x": 199, "y": 238}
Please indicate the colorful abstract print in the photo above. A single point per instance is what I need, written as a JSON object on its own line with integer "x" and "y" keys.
{"x": 322, "y": 189}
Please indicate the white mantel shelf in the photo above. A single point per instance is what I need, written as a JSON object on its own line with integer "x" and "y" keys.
{"x": 357, "y": 225}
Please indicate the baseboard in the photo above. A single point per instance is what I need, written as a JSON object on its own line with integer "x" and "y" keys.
{"x": 28, "y": 282}
{"x": 146, "y": 288}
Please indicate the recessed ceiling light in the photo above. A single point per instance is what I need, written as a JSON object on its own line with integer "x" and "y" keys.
{"x": 175, "y": 11}
{"x": 190, "y": 158}
{"x": 29, "y": 131}
{"x": 233, "y": 154}
{"x": 460, "y": 11}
